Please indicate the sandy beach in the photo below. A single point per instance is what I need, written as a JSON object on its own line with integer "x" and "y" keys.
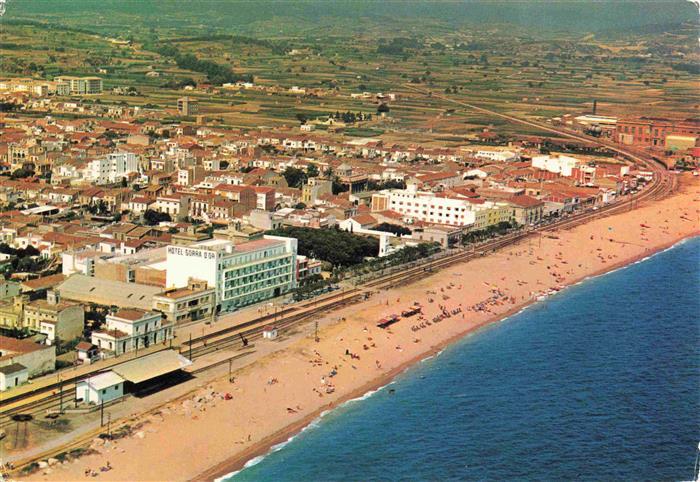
{"x": 225, "y": 424}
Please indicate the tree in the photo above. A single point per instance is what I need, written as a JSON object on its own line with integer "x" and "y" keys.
{"x": 21, "y": 173}
{"x": 337, "y": 247}
{"x": 295, "y": 177}
{"x": 312, "y": 171}
{"x": 389, "y": 184}
{"x": 152, "y": 217}
{"x": 392, "y": 228}
{"x": 383, "y": 108}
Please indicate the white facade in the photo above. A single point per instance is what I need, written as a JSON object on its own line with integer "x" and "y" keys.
{"x": 131, "y": 329}
{"x": 497, "y": 156}
{"x": 428, "y": 207}
{"x": 562, "y": 165}
{"x": 78, "y": 262}
{"x": 12, "y": 376}
{"x": 241, "y": 274}
{"x": 103, "y": 387}
{"x": 112, "y": 168}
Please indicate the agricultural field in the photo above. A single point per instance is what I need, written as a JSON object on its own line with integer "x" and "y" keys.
{"x": 631, "y": 72}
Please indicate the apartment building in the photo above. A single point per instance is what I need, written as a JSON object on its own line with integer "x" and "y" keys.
{"x": 82, "y": 85}
{"x": 187, "y": 106}
{"x": 182, "y": 305}
{"x": 111, "y": 168}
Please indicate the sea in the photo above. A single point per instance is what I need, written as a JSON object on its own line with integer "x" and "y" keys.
{"x": 598, "y": 382}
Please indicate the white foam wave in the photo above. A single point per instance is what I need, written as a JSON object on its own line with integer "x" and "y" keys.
{"x": 313, "y": 424}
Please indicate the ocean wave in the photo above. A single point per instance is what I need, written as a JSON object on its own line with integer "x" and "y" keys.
{"x": 642, "y": 260}
{"x": 316, "y": 422}
{"x": 311, "y": 425}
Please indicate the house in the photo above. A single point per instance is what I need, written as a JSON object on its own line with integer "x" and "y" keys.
{"x": 55, "y": 318}
{"x": 87, "y": 352}
{"x": 446, "y": 236}
{"x": 100, "y": 388}
{"x": 181, "y": 305}
{"x": 526, "y": 209}
{"x": 270, "y": 332}
{"x": 265, "y": 198}
{"x": 139, "y": 205}
{"x": 358, "y": 223}
{"x": 38, "y": 359}
{"x": 244, "y": 195}
{"x": 13, "y": 375}
{"x": 8, "y": 289}
{"x": 131, "y": 329}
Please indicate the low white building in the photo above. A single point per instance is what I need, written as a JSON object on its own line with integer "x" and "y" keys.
{"x": 270, "y": 332}
{"x": 13, "y": 375}
{"x": 497, "y": 156}
{"x": 100, "y": 388}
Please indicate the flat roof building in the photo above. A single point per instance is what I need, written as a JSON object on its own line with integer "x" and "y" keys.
{"x": 182, "y": 305}
{"x": 241, "y": 274}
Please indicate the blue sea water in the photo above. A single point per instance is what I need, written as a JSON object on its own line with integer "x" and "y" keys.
{"x": 600, "y": 382}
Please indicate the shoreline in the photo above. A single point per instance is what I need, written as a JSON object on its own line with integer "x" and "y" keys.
{"x": 238, "y": 462}
{"x": 228, "y": 424}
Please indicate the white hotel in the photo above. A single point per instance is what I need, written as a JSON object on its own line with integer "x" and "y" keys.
{"x": 241, "y": 273}
{"x": 426, "y": 206}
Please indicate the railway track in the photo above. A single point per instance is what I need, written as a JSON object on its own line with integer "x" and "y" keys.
{"x": 232, "y": 338}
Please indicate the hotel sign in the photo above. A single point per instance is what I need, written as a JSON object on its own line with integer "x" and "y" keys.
{"x": 191, "y": 253}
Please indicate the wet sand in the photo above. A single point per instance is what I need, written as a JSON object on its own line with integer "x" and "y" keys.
{"x": 208, "y": 435}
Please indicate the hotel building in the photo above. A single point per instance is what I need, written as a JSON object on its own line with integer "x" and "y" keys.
{"x": 241, "y": 274}
{"x": 425, "y": 206}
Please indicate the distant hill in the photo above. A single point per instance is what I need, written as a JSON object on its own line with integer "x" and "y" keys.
{"x": 578, "y": 16}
